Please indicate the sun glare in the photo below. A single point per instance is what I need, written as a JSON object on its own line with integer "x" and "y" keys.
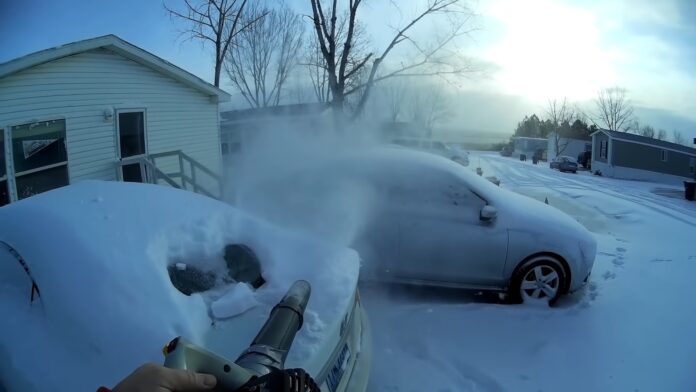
{"x": 549, "y": 50}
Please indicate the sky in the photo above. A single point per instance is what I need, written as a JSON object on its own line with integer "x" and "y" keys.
{"x": 531, "y": 50}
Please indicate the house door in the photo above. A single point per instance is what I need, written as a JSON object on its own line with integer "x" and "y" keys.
{"x": 131, "y": 142}
{"x": 34, "y": 159}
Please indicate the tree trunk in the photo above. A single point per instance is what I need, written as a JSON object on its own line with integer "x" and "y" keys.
{"x": 218, "y": 67}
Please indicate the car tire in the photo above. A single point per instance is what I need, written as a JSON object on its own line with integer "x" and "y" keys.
{"x": 543, "y": 279}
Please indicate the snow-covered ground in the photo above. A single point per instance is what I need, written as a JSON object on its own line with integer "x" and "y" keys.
{"x": 631, "y": 329}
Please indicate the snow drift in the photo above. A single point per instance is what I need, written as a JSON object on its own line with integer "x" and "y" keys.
{"x": 99, "y": 253}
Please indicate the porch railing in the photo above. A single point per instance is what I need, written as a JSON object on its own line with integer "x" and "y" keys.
{"x": 189, "y": 173}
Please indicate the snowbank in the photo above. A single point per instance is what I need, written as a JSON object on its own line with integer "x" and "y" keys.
{"x": 99, "y": 251}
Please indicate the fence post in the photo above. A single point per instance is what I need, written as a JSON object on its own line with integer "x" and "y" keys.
{"x": 143, "y": 174}
{"x": 193, "y": 177}
{"x": 181, "y": 170}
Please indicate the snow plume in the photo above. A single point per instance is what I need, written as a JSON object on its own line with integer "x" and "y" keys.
{"x": 294, "y": 175}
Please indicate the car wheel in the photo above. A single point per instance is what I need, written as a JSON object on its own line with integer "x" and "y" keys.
{"x": 540, "y": 279}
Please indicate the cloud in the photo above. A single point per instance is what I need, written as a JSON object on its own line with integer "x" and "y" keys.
{"x": 573, "y": 48}
{"x": 548, "y": 49}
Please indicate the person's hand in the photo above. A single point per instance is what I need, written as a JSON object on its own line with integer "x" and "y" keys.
{"x": 155, "y": 378}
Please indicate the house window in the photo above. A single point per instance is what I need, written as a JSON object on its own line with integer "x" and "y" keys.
{"x": 39, "y": 156}
{"x": 663, "y": 155}
{"x": 4, "y": 192}
{"x": 603, "y": 149}
{"x": 692, "y": 165}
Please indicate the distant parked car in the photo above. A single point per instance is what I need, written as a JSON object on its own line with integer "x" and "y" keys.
{"x": 506, "y": 151}
{"x": 564, "y": 164}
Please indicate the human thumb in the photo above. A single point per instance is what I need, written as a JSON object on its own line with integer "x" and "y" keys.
{"x": 186, "y": 381}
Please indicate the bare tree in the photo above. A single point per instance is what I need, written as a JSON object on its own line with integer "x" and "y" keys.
{"x": 634, "y": 126}
{"x": 317, "y": 65}
{"x": 677, "y": 137}
{"x": 265, "y": 53}
{"x": 647, "y": 131}
{"x": 428, "y": 107}
{"x": 559, "y": 111}
{"x": 343, "y": 65}
{"x": 213, "y": 21}
{"x": 661, "y": 135}
{"x": 614, "y": 110}
{"x": 318, "y": 74}
{"x": 395, "y": 99}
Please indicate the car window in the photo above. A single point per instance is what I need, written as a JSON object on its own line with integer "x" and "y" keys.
{"x": 429, "y": 187}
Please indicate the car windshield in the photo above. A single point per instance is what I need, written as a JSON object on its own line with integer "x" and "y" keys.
{"x": 488, "y": 195}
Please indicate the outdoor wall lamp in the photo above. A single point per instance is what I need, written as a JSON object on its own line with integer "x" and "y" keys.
{"x": 108, "y": 114}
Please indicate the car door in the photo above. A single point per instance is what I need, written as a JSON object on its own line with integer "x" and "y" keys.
{"x": 442, "y": 237}
{"x": 369, "y": 222}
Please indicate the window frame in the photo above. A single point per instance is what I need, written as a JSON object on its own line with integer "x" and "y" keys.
{"x": 10, "y": 174}
{"x": 663, "y": 155}
{"x": 603, "y": 147}
{"x": 117, "y": 136}
{"x": 117, "y": 112}
{"x": 692, "y": 165}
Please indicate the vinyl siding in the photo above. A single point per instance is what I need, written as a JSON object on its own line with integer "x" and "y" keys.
{"x": 643, "y": 157}
{"x": 568, "y": 147}
{"x": 80, "y": 87}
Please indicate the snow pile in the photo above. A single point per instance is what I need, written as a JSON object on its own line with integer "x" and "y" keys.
{"x": 237, "y": 300}
{"x": 99, "y": 253}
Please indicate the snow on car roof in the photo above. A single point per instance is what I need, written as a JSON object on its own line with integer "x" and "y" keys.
{"x": 414, "y": 158}
{"x": 98, "y": 252}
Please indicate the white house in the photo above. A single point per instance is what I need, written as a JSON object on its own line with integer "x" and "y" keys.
{"x": 528, "y": 146}
{"x": 566, "y": 146}
{"x": 105, "y": 109}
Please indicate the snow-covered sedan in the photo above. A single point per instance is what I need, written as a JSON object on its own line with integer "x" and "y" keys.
{"x": 423, "y": 219}
{"x": 96, "y": 277}
{"x": 451, "y": 151}
{"x": 564, "y": 164}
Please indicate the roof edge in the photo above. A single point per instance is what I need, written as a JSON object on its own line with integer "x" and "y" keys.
{"x": 121, "y": 47}
{"x": 669, "y": 148}
{"x": 604, "y": 131}
{"x": 614, "y": 135}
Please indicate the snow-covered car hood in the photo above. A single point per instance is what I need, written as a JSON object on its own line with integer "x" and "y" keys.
{"x": 98, "y": 252}
{"x": 522, "y": 212}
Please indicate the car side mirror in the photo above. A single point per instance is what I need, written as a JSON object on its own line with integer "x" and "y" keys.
{"x": 488, "y": 213}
